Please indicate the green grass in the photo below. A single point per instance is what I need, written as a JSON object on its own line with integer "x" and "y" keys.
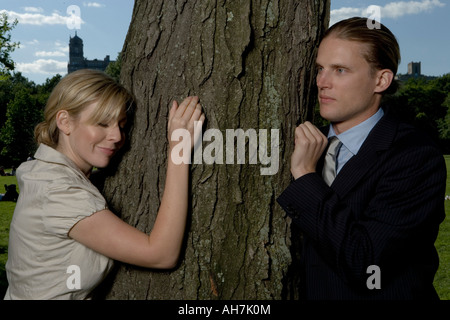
{"x": 441, "y": 280}
{"x": 6, "y": 212}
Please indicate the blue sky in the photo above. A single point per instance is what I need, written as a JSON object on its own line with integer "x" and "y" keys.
{"x": 45, "y": 26}
{"x": 422, "y": 28}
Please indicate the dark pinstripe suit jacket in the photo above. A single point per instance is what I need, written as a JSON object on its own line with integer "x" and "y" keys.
{"x": 384, "y": 208}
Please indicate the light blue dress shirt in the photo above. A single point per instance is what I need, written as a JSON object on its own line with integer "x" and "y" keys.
{"x": 353, "y": 138}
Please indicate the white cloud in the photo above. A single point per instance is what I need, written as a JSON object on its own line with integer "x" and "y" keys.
{"x": 391, "y": 10}
{"x": 398, "y": 9}
{"x": 43, "y": 66}
{"x": 33, "y": 42}
{"x": 41, "y": 19}
{"x": 344, "y": 13}
{"x": 25, "y": 44}
{"x": 60, "y": 50}
{"x": 49, "y": 54}
{"x": 33, "y": 9}
{"x": 93, "y": 4}
{"x": 62, "y": 46}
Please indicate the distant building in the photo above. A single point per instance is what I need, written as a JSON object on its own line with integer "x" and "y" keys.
{"x": 77, "y": 60}
{"x": 414, "y": 71}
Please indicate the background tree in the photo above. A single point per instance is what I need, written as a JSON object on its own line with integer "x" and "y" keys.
{"x": 252, "y": 65}
{"x": 6, "y": 94}
{"x": 422, "y": 103}
{"x": 17, "y": 135}
{"x": 444, "y": 124}
{"x": 21, "y": 107}
{"x": 43, "y": 90}
{"x": 6, "y": 46}
{"x": 113, "y": 68}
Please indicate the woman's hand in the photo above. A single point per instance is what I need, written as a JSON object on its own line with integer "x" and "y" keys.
{"x": 183, "y": 116}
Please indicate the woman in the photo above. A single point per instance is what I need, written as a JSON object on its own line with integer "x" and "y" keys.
{"x": 63, "y": 238}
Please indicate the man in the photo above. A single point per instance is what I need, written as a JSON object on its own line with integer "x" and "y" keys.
{"x": 370, "y": 232}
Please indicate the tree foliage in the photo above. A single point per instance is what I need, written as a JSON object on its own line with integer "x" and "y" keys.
{"x": 17, "y": 134}
{"x": 444, "y": 124}
{"x": 6, "y": 46}
{"x": 425, "y": 104}
{"x": 113, "y": 68}
{"x": 21, "y": 107}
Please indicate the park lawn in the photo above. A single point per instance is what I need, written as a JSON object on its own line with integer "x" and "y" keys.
{"x": 441, "y": 280}
{"x": 6, "y": 212}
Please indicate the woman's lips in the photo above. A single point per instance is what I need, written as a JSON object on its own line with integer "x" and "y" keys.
{"x": 107, "y": 151}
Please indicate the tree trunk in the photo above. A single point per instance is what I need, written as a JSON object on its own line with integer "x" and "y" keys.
{"x": 252, "y": 65}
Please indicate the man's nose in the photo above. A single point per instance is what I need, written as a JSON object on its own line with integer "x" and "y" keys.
{"x": 323, "y": 80}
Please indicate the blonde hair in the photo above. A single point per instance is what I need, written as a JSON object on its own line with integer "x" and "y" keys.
{"x": 74, "y": 93}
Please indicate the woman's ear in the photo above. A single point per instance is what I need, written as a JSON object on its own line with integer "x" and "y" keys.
{"x": 63, "y": 121}
{"x": 384, "y": 78}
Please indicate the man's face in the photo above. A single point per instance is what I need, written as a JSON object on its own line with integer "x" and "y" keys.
{"x": 347, "y": 85}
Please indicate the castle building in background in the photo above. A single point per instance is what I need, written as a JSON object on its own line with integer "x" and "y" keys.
{"x": 77, "y": 60}
{"x": 414, "y": 71}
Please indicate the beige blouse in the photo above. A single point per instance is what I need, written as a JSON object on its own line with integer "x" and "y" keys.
{"x": 43, "y": 262}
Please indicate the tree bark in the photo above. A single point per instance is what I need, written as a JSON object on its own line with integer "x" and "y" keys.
{"x": 252, "y": 65}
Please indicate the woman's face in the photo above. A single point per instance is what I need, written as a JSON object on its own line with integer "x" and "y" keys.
{"x": 92, "y": 145}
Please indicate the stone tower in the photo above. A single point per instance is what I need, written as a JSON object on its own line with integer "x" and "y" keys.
{"x": 77, "y": 60}
{"x": 76, "y": 56}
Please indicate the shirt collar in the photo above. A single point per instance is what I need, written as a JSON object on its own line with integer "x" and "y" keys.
{"x": 353, "y": 138}
{"x": 48, "y": 154}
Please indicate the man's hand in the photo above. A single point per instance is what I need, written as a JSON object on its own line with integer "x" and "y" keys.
{"x": 310, "y": 143}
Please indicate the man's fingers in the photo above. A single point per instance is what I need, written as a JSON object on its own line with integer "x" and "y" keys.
{"x": 311, "y": 133}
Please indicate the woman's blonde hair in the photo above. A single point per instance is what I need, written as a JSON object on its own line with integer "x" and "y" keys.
{"x": 74, "y": 93}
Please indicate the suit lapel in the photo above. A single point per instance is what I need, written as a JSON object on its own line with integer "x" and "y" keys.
{"x": 378, "y": 140}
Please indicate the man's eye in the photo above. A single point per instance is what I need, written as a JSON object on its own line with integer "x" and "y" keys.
{"x": 104, "y": 125}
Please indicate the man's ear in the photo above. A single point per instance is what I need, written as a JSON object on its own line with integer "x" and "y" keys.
{"x": 63, "y": 121}
{"x": 384, "y": 80}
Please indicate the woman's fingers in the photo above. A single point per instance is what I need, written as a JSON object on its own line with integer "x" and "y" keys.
{"x": 173, "y": 110}
{"x": 187, "y": 107}
{"x": 189, "y": 111}
{"x": 197, "y": 113}
{"x": 185, "y": 115}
